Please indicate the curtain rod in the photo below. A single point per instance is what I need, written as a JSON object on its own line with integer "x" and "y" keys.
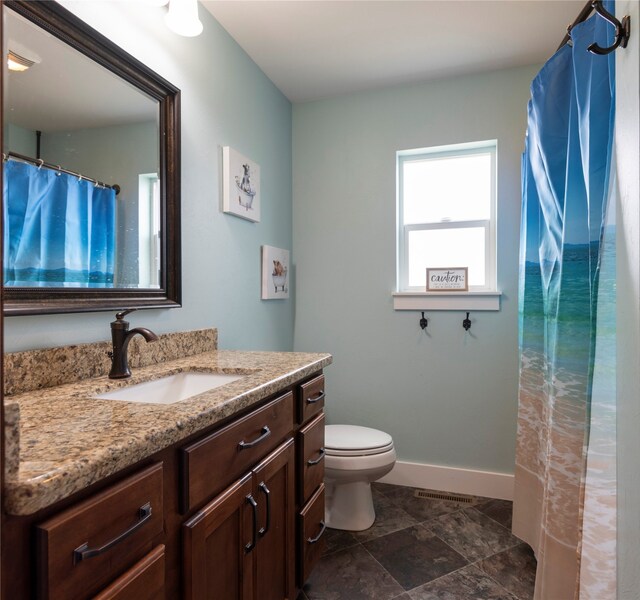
{"x": 622, "y": 28}
{"x": 41, "y": 163}
{"x": 583, "y": 15}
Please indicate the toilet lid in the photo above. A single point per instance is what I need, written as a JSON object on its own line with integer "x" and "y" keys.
{"x": 350, "y": 440}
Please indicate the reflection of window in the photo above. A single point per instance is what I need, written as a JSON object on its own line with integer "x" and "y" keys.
{"x": 149, "y": 230}
{"x": 446, "y": 213}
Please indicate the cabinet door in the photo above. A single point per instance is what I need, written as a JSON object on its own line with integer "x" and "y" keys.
{"x": 218, "y": 546}
{"x": 275, "y": 552}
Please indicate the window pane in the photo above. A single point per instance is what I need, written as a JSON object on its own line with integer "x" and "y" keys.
{"x": 431, "y": 248}
{"x": 453, "y": 188}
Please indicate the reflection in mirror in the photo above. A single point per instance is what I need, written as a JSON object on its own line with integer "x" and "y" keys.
{"x": 107, "y": 132}
{"x": 91, "y": 209}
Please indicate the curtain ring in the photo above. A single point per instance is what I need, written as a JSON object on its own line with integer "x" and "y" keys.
{"x": 41, "y": 163}
{"x": 59, "y": 170}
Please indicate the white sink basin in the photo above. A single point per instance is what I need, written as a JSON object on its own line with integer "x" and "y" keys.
{"x": 171, "y": 389}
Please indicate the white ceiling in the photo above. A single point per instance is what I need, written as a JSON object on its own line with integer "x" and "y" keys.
{"x": 49, "y": 97}
{"x": 315, "y": 49}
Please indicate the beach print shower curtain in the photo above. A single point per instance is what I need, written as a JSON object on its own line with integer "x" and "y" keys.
{"x": 564, "y": 504}
{"x": 59, "y": 230}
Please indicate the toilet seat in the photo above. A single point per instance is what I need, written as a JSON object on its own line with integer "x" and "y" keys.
{"x": 353, "y": 440}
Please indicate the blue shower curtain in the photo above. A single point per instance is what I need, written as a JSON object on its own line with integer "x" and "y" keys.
{"x": 59, "y": 230}
{"x": 566, "y": 190}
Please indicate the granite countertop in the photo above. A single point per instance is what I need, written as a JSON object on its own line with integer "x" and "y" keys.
{"x": 69, "y": 440}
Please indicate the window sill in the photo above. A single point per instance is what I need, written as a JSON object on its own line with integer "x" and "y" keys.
{"x": 446, "y": 300}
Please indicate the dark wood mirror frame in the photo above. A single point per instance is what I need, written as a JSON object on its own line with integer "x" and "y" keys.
{"x": 64, "y": 25}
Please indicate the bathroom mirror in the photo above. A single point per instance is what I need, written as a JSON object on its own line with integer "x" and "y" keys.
{"x": 91, "y": 170}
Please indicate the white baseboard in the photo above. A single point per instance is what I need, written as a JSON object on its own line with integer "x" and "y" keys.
{"x": 451, "y": 479}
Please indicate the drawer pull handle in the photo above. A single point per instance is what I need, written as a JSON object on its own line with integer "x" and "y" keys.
{"x": 84, "y": 552}
{"x": 264, "y": 434}
{"x": 254, "y": 506}
{"x": 314, "y": 399}
{"x": 311, "y": 463}
{"x": 317, "y": 538}
{"x": 265, "y": 490}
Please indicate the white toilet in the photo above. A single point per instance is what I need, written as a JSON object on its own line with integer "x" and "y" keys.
{"x": 354, "y": 457}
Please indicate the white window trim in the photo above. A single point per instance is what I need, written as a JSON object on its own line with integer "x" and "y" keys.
{"x": 478, "y": 297}
{"x": 446, "y": 300}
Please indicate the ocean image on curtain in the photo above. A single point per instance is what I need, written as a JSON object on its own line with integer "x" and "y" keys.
{"x": 59, "y": 229}
{"x": 567, "y": 291}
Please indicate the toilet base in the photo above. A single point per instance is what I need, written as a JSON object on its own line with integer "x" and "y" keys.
{"x": 349, "y": 506}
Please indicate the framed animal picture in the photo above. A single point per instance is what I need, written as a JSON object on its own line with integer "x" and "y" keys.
{"x": 275, "y": 273}
{"x": 240, "y": 185}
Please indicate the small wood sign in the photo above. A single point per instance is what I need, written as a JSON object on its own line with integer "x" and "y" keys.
{"x": 452, "y": 279}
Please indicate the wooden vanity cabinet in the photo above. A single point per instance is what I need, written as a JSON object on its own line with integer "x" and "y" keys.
{"x": 241, "y": 545}
{"x": 198, "y": 539}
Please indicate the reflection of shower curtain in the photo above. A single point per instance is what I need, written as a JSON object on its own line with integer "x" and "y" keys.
{"x": 567, "y": 291}
{"x": 59, "y": 231}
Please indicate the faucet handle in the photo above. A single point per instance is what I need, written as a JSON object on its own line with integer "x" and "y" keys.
{"x": 121, "y": 315}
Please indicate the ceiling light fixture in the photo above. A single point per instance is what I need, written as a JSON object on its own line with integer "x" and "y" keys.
{"x": 182, "y": 18}
{"x": 18, "y": 63}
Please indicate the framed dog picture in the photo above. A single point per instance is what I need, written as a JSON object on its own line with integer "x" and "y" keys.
{"x": 240, "y": 185}
{"x": 275, "y": 273}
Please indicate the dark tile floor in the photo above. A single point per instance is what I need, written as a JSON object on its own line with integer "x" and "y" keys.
{"x": 424, "y": 549}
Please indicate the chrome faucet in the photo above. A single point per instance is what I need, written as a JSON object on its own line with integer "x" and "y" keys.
{"x": 121, "y": 336}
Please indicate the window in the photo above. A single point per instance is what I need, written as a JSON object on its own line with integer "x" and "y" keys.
{"x": 149, "y": 230}
{"x": 446, "y": 213}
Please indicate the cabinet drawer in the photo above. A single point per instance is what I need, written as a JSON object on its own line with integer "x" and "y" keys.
{"x": 311, "y": 458}
{"x": 144, "y": 580}
{"x": 84, "y": 548}
{"x": 311, "y": 398}
{"x": 210, "y": 464}
{"x": 311, "y": 532}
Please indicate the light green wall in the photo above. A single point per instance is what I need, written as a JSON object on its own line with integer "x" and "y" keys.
{"x": 446, "y": 397}
{"x": 226, "y": 100}
{"x": 115, "y": 154}
{"x": 20, "y": 140}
